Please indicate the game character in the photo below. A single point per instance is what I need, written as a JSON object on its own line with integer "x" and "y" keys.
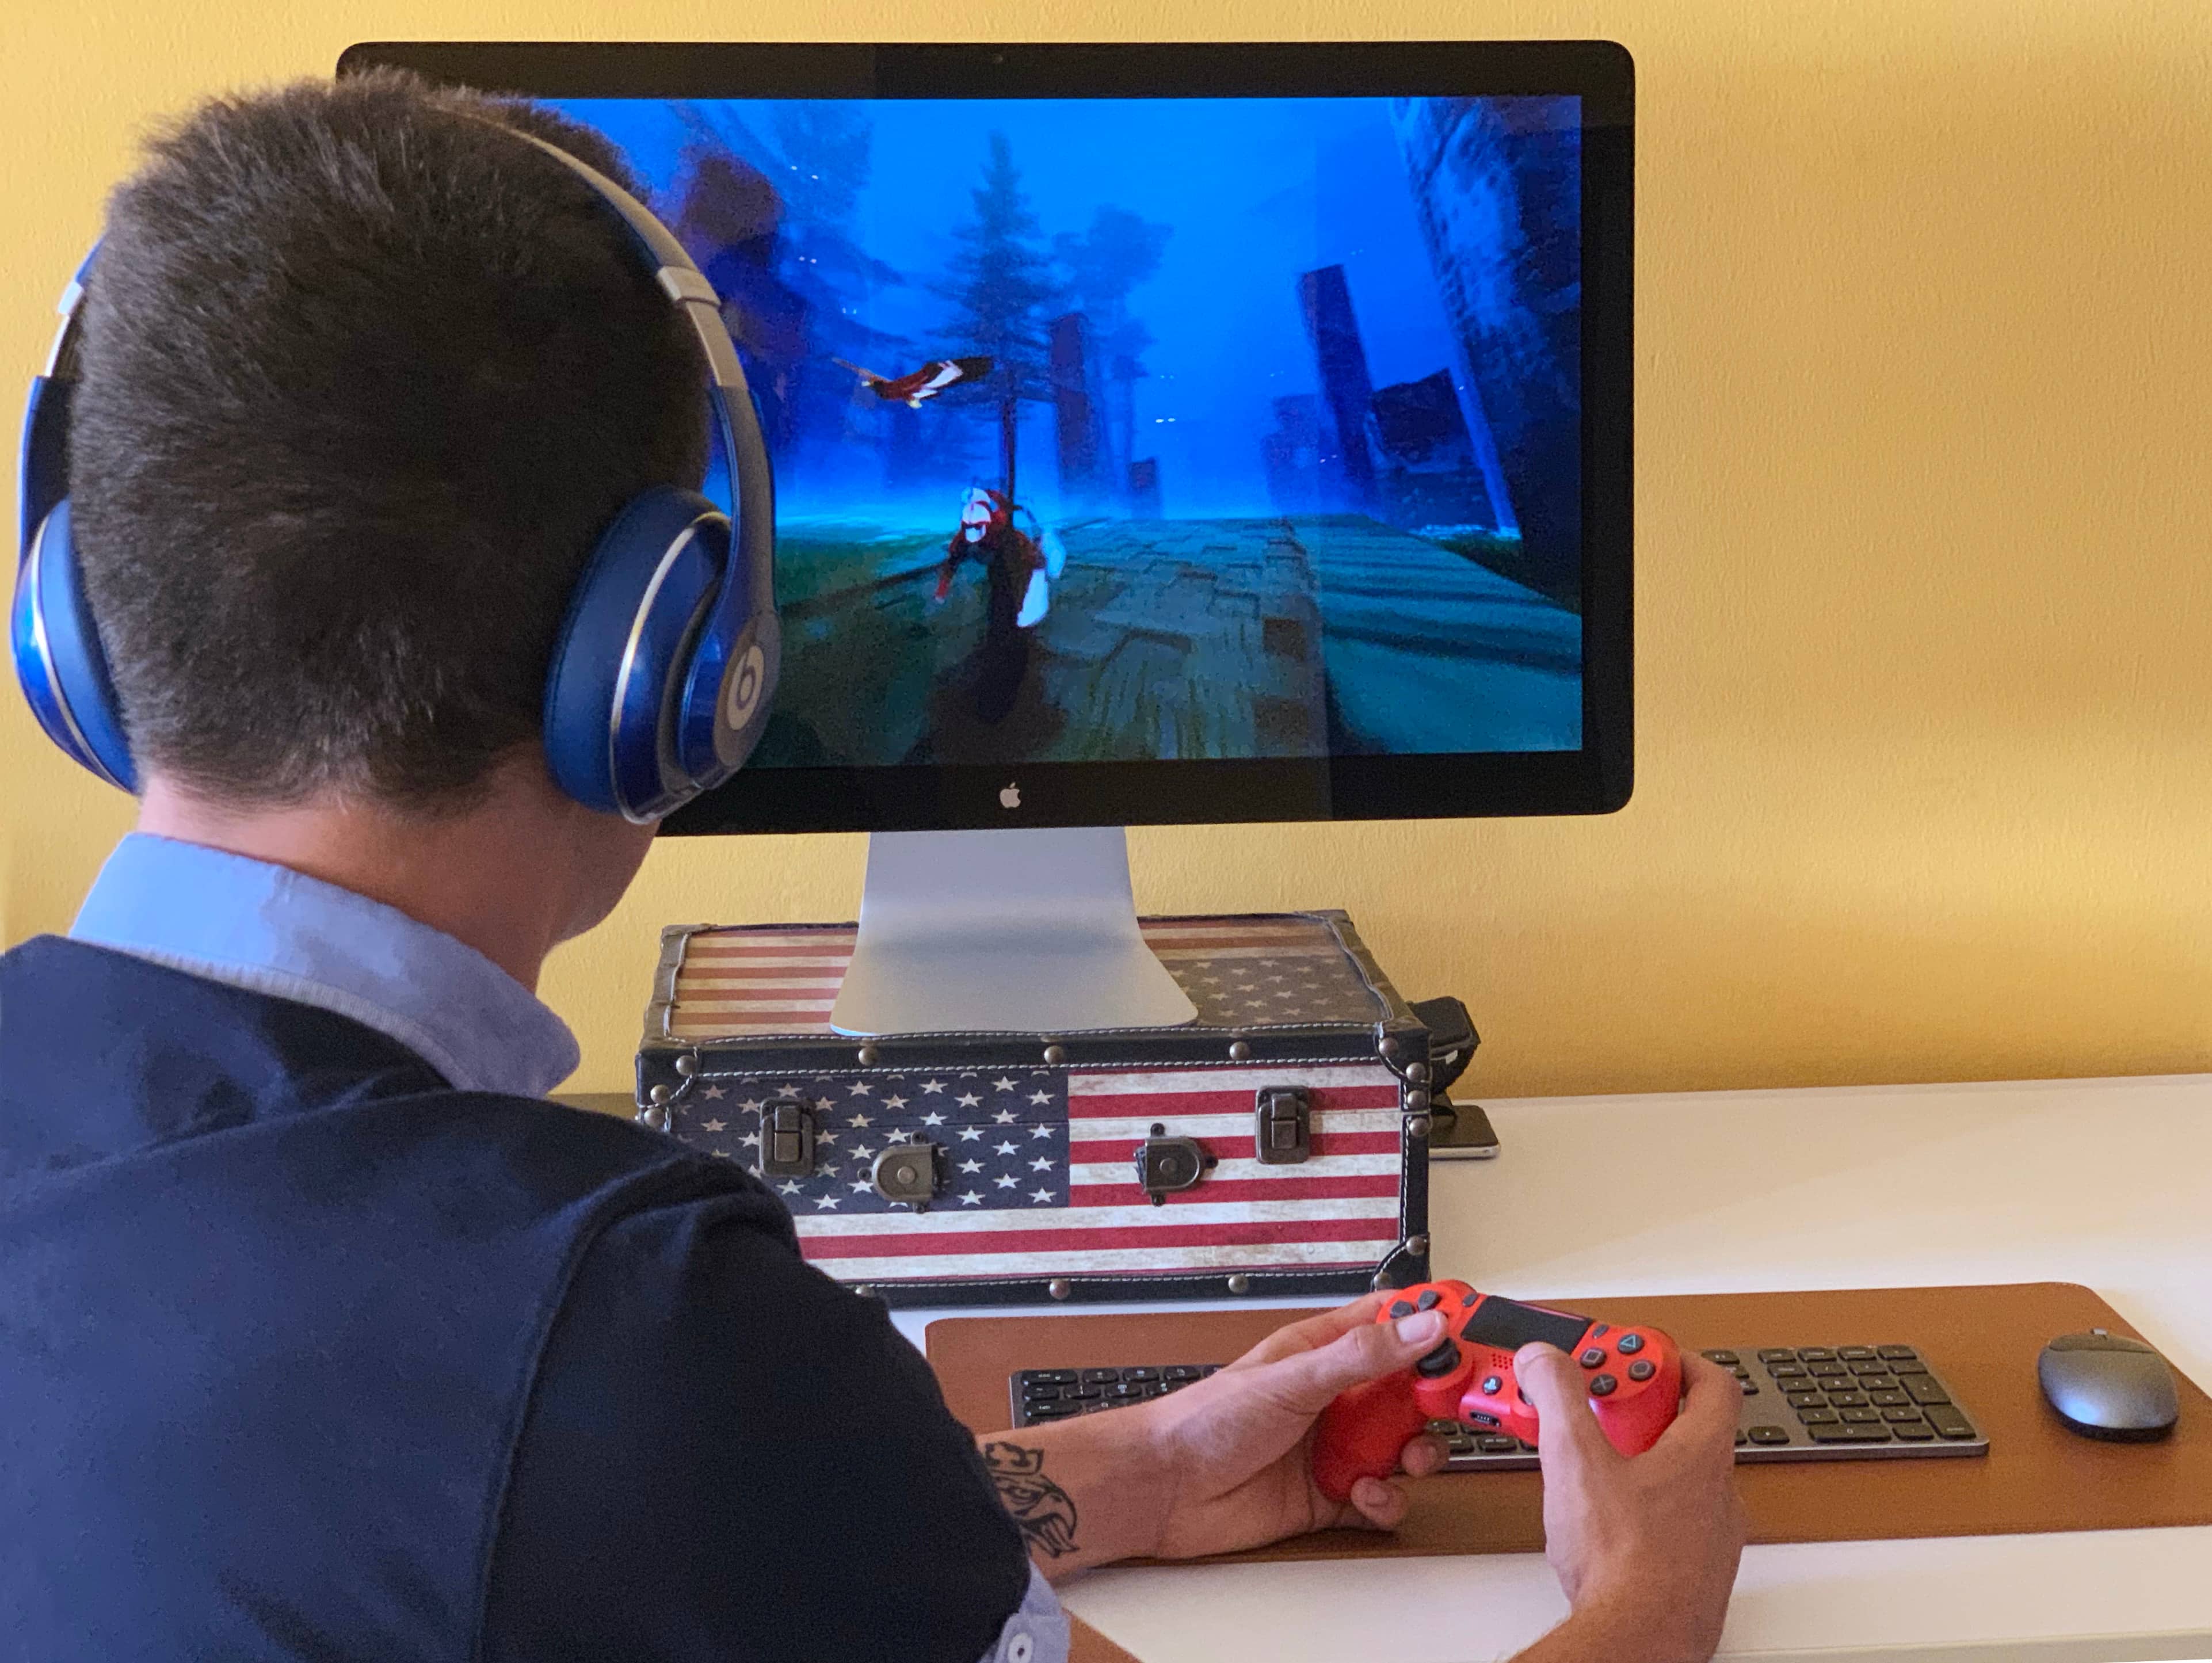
{"x": 1020, "y": 592}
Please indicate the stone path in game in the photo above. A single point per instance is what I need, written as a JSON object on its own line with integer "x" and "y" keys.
{"x": 1193, "y": 638}
{"x": 1226, "y": 638}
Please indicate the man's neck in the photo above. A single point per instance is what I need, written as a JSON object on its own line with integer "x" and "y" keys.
{"x": 497, "y": 876}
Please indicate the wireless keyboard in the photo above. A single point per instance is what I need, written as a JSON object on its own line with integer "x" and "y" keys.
{"x": 1802, "y": 1403}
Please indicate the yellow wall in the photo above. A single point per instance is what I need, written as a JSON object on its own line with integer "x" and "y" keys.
{"x": 1925, "y": 456}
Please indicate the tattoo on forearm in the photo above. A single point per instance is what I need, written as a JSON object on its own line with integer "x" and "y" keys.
{"x": 1043, "y": 1510}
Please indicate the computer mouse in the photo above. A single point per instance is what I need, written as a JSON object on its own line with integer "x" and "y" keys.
{"x": 2105, "y": 1386}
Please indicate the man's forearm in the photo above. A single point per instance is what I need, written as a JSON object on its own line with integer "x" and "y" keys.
{"x": 1084, "y": 1492}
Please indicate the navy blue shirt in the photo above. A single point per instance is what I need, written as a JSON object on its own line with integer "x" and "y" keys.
{"x": 306, "y": 1354}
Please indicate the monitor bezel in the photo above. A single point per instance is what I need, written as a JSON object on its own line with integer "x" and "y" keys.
{"x": 1596, "y": 780}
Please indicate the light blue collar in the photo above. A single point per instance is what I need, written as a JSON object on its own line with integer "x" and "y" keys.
{"x": 271, "y": 930}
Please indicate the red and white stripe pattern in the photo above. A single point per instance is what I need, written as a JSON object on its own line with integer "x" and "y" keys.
{"x": 1340, "y": 1207}
{"x": 1239, "y": 972}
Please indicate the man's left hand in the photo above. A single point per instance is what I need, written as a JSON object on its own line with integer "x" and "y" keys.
{"x": 1226, "y": 1462}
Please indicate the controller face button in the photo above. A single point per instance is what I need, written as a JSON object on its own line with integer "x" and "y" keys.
{"x": 1429, "y": 1301}
{"x": 1629, "y": 1345}
{"x": 1492, "y": 1386}
{"x": 1592, "y": 1357}
{"x": 1603, "y": 1386}
{"x": 1642, "y": 1369}
{"x": 1400, "y": 1308}
{"x": 1442, "y": 1361}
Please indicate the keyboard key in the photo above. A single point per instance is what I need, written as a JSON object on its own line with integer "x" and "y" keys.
{"x": 1868, "y": 1366}
{"x": 1887, "y": 1399}
{"x": 1948, "y": 1422}
{"x": 1854, "y": 1353}
{"x": 1818, "y": 1417}
{"x": 1181, "y": 1371}
{"x": 1498, "y": 1444}
{"x": 1905, "y": 1352}
{"x": 1924, "y": 1388}
{"x": 1051, "y": 1412}
{"x": 1851, "y": 1433}
{"x": 1861, "y": 1416}
{"x": 1847, "y": 1400}
{"x": 1084, "y": 1393}
{"x": 1777, "y": 1354}
{"x": 1140, "y": 1373}
{"x": 1741, "y": 1372}
{"x": 1787, "y": 1371}
{"x": 1914, "y": 1431}
{"x": 1051, "y": 1376}
{"x": 1808, "y": 1400}
{"x": 1099, "y": 1407}
{"x": 1906, "y": 1366}
{"x": 1040, "y": 1392}
{"x": 1827, "y": 1370}
{"x": 1209, "y": 1368}
{"x": 1101, "y": 1376}
{"x": 1742, "y": 1436}
{"x": 1897, "y": 1416}
{"x": 1878, "y": 1382}
{"x": 1770, "y": 1434}
{"x": 1728, "y": 1359}
{"x": 1750, "y": 1388}
{"x": 1814, "y": 1354}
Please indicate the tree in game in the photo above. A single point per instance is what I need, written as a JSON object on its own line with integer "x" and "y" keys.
{"x": 1118, "y": 252}
{"x": 1002, "y": 287}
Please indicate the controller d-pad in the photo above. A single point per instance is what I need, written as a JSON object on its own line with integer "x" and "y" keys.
{"x": 1400, "y": 1308}
{"x": 1629, "y": 1345}
{"x": 1603, "y": 1386}
{"x": 1442, "y": 1361}
{"x": 1429, "y": 1301}
{"x": 1592, "y": 1357}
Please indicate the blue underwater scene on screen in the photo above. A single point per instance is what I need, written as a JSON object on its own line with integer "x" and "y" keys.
{"x": 1131, "y": 429}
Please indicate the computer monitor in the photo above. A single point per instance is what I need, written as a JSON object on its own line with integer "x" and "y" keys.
{"x": 1162, "y": 434}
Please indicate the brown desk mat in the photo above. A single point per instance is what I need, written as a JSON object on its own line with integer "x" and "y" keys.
{"x": 1983, "y": 1341}
{"x": 1087, "y": 1645}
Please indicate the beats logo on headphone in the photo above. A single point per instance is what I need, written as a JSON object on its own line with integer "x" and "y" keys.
{"x": 666, "y": 667}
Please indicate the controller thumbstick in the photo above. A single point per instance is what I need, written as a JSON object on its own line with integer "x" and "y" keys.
{"x": 1442, "y": 1361}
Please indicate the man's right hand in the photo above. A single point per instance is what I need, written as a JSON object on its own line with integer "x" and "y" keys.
{"x": 1646, "y": 1547}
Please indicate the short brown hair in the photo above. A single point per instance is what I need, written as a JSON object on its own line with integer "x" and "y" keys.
{"x": 364, "y": 379}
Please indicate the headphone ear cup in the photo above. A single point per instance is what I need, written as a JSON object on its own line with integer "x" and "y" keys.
{"x": 59, "y": 661}
{"x": 612, "y": 689}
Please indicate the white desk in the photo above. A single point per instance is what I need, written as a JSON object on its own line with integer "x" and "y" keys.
{"x": 2107, "y": 1183}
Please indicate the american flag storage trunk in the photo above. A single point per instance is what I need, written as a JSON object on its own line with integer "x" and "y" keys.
{"x": 1278, "y": 1145}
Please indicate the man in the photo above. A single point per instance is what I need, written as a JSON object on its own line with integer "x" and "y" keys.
{"x": 321, "y": 1335}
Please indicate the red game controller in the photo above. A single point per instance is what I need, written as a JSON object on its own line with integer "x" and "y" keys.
{"x": 1634, "y": 1376}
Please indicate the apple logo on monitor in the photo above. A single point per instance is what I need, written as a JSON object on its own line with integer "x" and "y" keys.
{"x": 1011, "y": 797}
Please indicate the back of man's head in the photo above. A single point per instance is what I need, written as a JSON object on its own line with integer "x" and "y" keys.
{"x": 364, "y": 378}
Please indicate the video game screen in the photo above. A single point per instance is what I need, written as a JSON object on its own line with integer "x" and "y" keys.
{"x": 1134, "y": 429}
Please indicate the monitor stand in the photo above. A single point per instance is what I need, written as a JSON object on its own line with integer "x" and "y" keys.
{"x": 1002, "y": 931}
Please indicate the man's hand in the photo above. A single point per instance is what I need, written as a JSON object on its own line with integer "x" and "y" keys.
{"x": 1646, "y": 1547}
{"x": 1225, "y": 1463}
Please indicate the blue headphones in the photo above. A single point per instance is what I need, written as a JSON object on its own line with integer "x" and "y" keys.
{"x": 661, "y": 678}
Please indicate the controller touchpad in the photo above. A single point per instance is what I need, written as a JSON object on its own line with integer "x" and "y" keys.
{"x": 1509, "y": 1327}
